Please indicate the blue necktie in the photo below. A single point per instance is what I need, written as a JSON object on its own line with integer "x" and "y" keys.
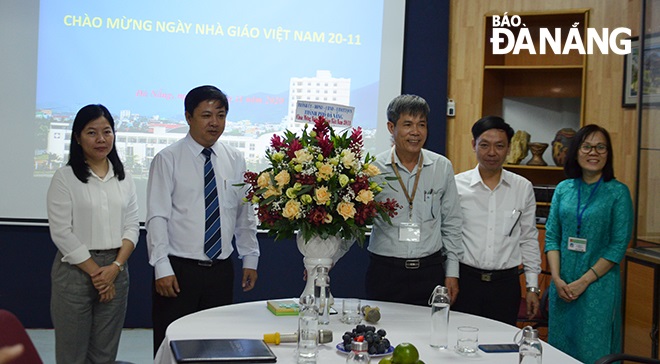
{"x": 212, "y": 244}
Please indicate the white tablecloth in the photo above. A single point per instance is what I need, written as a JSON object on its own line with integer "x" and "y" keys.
{"x": 403, "y": 323}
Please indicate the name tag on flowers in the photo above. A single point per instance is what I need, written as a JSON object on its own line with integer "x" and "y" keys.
{"x": 337, "y": 115}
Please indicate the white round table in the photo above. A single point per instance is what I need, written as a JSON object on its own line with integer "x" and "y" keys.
{"x": 403, "y": 323}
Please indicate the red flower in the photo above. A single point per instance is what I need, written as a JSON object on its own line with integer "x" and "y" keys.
{"x": 305, "y": 179}
{"x": 357, "y": 144}
{"x": 266, "y": 216}
{"x": 293, "y": 147}
{"x": 390, "y": 206}
{"x": 250, "y": 178}
{"x": 321, "y": 126}
{"x": 361, "y": 183}
{"x": 364, "y": 213}
{"x": 317, "y": 215}
{"x": 325, "y": 144}
{"x": 277, "y": 143}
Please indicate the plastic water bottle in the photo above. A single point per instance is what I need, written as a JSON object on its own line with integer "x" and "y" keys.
{"x": 308, "y": 328}
{"x": 530, "y": 351}
{"x": 359, "y": 353}
{"x": 322, "y": 293}
{"x": 439, "y": 302}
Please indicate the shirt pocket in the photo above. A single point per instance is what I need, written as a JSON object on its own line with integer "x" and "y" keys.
{"x": 432, "y": 205}
{"x": 511, "y": 223}
{"x": 233, "y": 192}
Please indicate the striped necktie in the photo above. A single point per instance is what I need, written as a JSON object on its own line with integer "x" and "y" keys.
{"x": 212, "y": 244}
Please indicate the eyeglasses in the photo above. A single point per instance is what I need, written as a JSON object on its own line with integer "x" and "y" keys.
{"x": 600, "y": 148}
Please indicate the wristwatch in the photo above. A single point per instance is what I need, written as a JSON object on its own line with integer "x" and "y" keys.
{"x": 121, "y": 266}
{"x": 534, "y": 290}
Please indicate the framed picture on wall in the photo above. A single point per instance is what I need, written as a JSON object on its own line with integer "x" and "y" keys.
{"x": 650, "y": 70}
{"x": 630, "y": 74}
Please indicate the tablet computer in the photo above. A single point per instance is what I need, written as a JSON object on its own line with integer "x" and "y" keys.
{"x": 222, "y": 351}
{"x": 499, "y": 348}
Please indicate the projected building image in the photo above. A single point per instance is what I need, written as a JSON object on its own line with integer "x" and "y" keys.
{"x": 139, "y": 138}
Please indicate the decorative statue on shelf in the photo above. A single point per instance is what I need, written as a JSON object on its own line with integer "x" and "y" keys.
{"x": 560, "y": 145}
{"x": 537, "y": 154}
{"x": 518, "y": 147}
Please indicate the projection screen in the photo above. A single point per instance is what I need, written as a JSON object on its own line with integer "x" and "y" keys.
{"x": 140, "y": 58}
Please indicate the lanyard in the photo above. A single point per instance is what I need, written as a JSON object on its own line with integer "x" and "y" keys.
{"x": 580, "y": 213}
{"x": 410, "y": 198}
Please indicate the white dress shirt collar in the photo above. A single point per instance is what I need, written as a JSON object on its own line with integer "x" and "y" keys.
{"x": 197, "y": 148}
{"x": 505, "y": 177}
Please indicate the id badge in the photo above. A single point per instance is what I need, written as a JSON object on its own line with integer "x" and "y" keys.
{"x": 410, "y": 231}
{"x": 577, "y": 244}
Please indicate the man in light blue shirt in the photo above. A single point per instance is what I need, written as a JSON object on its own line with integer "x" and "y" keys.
{"x": 422, "y": 246}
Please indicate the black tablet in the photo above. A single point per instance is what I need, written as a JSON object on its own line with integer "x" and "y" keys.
{"x": 222, "y": 350}
{"x": 499, "y": 348}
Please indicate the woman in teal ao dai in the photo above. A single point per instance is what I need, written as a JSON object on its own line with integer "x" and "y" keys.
{"x": 587, "y": 234}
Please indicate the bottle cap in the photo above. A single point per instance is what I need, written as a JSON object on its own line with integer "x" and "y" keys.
{"x": 360, "y": 346}
{"x": 438, "y": 291}
{"x": 531, "y": 334}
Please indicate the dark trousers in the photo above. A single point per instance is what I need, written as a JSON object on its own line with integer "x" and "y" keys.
{"x": 497, "y": 299}
{"x": 201, "y": 287}
{"x": 388, "y": 279}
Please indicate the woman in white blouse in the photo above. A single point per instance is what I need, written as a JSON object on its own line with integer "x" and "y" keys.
{"x": 93, "y": 219}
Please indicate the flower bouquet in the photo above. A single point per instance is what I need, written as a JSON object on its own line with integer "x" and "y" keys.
{"x": 319, "y": 185}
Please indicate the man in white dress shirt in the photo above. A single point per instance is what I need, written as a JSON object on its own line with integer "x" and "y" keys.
{"x": 499, "y": 230}
{"x": 187, "y": 277}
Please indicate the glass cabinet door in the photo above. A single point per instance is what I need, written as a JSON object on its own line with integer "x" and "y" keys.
{"x": 648, "y": 189}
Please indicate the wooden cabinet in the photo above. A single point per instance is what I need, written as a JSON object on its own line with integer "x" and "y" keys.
{"x": 642, "y": 303}
{"x": 538, "y": 93}
{"x": 544, "y": 180}
{"x": 546, "y": 75}
{"x": 538, "y": 175}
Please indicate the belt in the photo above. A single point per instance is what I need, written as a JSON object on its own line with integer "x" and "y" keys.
{"x": 201, "y": 263}
{"x": 427, "y": 261}
{"x": 489, "y": 275}
{"x": 101, "y": 251}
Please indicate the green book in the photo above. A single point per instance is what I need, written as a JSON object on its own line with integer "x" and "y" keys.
{"x": 283, "y": 307}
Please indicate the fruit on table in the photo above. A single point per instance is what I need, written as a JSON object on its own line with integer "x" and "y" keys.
{"x": 405, "y": 353}
{"x": 376, "y": 340}
{"x": 388, "y": 360}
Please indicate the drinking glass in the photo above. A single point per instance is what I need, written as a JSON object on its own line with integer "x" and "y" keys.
{"x": 468, "y": 340}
